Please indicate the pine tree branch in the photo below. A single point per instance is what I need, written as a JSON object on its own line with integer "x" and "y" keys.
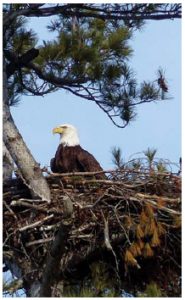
{"x": 116, "y": 100}
{"x": 25, "y": 61}
{"x": 71, "y": 85}
{"x": 88, "y": 11}
{"x": 57, "y": 81}
{"x": 17, "y": 62}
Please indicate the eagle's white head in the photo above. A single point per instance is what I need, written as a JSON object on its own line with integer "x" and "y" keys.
{"x": 68, "y": 135}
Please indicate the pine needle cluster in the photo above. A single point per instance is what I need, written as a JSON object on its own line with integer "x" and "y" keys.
{"x": 88, "y": 57}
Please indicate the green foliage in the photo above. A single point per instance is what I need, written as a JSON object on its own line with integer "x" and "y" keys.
{"x": 18, "y": 38}
{"x": 83, "y": 46}
{"x": 148, "y": 162}
{"x": 149, "y": 92}
{"x": 152, "y": 290}
{"x": 83, "y": 292}
{"x": 127, "y": 112}
{"x": 117, "y": 157}
{"x": 100, "y": 275}
{"x": 88, "y": 292}
{"x": 150, "y": 154}
{"x": 117, "y": 41}
{"x": 99, "y": 283}
{"x": 88, "y": 57}
{"x": 161, "y": 167}
{"x": 136, "y": 164}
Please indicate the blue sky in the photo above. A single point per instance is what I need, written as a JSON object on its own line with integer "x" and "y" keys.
{"x": 158, "y": 125}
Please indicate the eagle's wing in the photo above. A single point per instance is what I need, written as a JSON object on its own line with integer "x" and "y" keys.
{"x": 57, "y": 161}
{"x": 53, "y": 165}
{"x": 88, "y": 163}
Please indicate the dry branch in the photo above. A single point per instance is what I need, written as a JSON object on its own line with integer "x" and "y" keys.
{"x": 34, "y": 225}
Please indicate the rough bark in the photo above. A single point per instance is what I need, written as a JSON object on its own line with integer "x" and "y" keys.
{"x": 29, "y": 169}
{"x": 8, "y": 164}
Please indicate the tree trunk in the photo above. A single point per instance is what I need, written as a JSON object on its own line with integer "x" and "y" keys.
{"x": 8, "y": 165}
{"x": 29, "y": 169}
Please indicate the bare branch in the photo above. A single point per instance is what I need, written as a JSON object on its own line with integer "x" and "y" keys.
{"x": 38, "y": 223}
{"x": 93, "y": 11}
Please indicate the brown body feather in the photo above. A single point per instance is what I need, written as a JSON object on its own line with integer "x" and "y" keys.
{"x": 75, "y": 159}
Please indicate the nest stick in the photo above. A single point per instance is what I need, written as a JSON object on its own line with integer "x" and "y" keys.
{"x": 38, "y": 223}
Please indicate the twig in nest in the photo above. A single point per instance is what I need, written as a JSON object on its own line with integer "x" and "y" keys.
{"x": 126, "y": 170}
{"x": 36, "y": 207}
{"x": 49, "y": 227}
{"x": 33, "y": 225}
{"x": 116, "y": 183}
{"x": 107, "y": 241}
{"x": 106, "y": 233}
{"x": 166, "y": 199}
{"x": 7, "y": 238}
{"x": 82, "y": 228}
{"x": 80, "y": 173}
{"x": 122, "y": 227}
{"x": 82, "y": 236}
{"x": 88, "y": 181}
{"x": 10, "y": 210}
{"x": 25, "y": 252}
{"x": 41, "y": 241}
{"x": 97, "y": 201}
{"x": 153, "y": 203}
{"x": 33, "y": 201}
{"x": 176, "y": 263}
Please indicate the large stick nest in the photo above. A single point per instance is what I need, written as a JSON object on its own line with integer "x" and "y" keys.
{"x": 134, "y": 215}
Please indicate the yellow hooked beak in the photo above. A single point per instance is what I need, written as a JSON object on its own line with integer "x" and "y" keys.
{"x": 58, "y": 130}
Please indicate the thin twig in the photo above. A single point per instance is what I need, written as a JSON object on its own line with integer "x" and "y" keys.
{"x": 108, "y": 244}
{"x": 10, "y": 210}
{"x": 122, "y": 227}
{"x": 112, "y": 171}
{"x": 41, "y": 241}
{"x": 36, "y": 207}
{"x": 38, "y": 223}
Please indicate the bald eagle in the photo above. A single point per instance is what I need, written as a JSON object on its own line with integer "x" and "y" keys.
{"x": 70, "y": 156}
